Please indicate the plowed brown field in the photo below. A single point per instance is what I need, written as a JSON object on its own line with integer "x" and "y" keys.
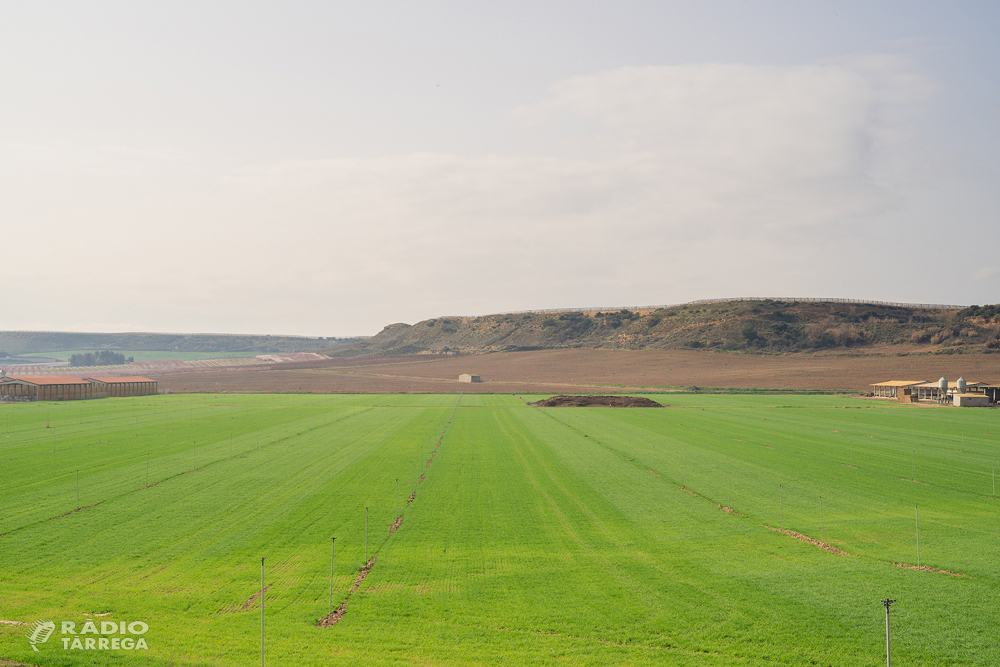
{"x": 584, "y": 370}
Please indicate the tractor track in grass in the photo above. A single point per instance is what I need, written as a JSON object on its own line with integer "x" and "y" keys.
{"x": 333, "y": 618}
{"x": 602, "y": 640}
{"x": 825, "y": 546}
{"x": 175, "y": 476}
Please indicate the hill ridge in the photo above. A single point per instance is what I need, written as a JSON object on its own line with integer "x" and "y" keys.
{"x": 784, "y": 299}
{"x": 755, "y": 324}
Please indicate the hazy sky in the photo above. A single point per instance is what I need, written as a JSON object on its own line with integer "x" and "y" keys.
{"x": 329, "y": 168}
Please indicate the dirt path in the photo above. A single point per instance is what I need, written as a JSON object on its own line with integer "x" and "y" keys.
{"x": 338, "y": 613}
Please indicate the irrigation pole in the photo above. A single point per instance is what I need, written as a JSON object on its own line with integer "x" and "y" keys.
{"x": 366, "y": 536}
{"x": 397, "y": 498}
{"x": 730, "y": 490}
{"x": 412, "y": 490}
{"x": 685, "y": 473}
{"x": 821, "y": 535}
{"x": 78, "y": 488}
{"x": 916, "y": 518}
{"x": 888, "y": 660}
{"x": 781, "y": 503}
{"x": 333, "y": 543}
{"x": 147, "y": 468}
{"x": 993, "y": 467}
{"x": 261, "y": 611}
{"x": 913, "y": 458}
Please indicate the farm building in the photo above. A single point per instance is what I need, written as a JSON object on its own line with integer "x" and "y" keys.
{"x": 123, "y": 386}
{"x": 908, "y": 391}
{"x": 469, "y": 377}
{"x": 895, "y": 388}
{"x": 44, "y": 388}
{"x": 970, "y": 400}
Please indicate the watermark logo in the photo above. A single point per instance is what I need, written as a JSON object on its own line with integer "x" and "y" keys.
{"x": 93, "y": 636}
{"x": 40, "y": 632}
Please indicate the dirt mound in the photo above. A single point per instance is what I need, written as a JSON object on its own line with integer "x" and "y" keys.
{"x": 597, "y": 401}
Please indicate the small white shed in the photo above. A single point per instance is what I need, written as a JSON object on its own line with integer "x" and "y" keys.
{"x": 971, "y": 400}
{"x": 469, "y": 377}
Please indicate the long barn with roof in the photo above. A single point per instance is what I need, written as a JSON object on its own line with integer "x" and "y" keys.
{"x": 29, "y": 388}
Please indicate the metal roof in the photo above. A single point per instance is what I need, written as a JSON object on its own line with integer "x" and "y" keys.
{"x": 117, "y": 380}
{"x": 900, "y": 383}
{"x": 49, "y": 379}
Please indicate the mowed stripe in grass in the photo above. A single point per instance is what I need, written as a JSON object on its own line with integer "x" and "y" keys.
{"x": 539, "y": 536}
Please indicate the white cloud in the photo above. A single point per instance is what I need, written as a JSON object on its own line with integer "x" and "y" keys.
{"x": 638, "y": 184}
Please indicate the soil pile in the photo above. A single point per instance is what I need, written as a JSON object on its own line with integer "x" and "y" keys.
{"x": 597, "y": 401}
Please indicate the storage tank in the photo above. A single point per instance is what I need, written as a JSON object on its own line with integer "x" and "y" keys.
{"x": 943, "y": 386}
{"x": 961, "y": 385}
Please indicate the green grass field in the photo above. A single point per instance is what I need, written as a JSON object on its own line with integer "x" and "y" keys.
{"x": 538, "y": 536}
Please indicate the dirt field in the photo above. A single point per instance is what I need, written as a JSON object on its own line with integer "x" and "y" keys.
{"x": 593, "y": 400}
{"x": 584, "y": 370}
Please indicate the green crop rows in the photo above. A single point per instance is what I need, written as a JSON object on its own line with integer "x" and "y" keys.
{"x": 537, "y": 537}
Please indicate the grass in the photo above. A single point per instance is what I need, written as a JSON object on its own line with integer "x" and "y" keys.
{"x": 538, "y": 536}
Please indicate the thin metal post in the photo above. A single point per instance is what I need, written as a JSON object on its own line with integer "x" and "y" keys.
{"x": 730, "y": 490}
{"x": 888, "y": 660}
{"x": 261, "y": 611}
{"x": 993, "y": 467}
{"x": 821, "y": 535}
{"x": 781, "y": 502}
{"x": 366, "y": 536}
{"x": 333, "y": 543}
{"x": 685, "y": 484}
{"x": 913, "y": 457}
{"x": 397, "y": 498}
{"x": 78, "y": 488}
{"x": 147, "y": 468}
{"x": 916, "y": 516}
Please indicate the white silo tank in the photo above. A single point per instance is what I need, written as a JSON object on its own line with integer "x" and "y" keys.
{"x": 961, "y": 385}
{"x": 943, "y": 386}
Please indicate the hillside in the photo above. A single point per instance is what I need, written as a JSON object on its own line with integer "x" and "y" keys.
{"x": 22, "y": 342}
{"x": 769, "y": 327}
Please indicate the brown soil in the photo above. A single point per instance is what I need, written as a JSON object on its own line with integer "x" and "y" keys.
{"x": 11, "y": 663}
{"x": 413, "y": 496}
{"x": 730, "y": 510}
{"x": 393, "y": 527}
{"x": 253, "y": 598}
{"x": 578, "y": 370}
{"x": 804, "y": 538}
{"x": 338, "y": 613}
{"x": 652, "y": 472}
{"x": 420, "y": 480}
{"x": 597, "y": 401}
{"x": 926, "y": 568}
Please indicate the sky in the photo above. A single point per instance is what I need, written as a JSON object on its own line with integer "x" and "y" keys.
{"x": 326, "y": 169}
